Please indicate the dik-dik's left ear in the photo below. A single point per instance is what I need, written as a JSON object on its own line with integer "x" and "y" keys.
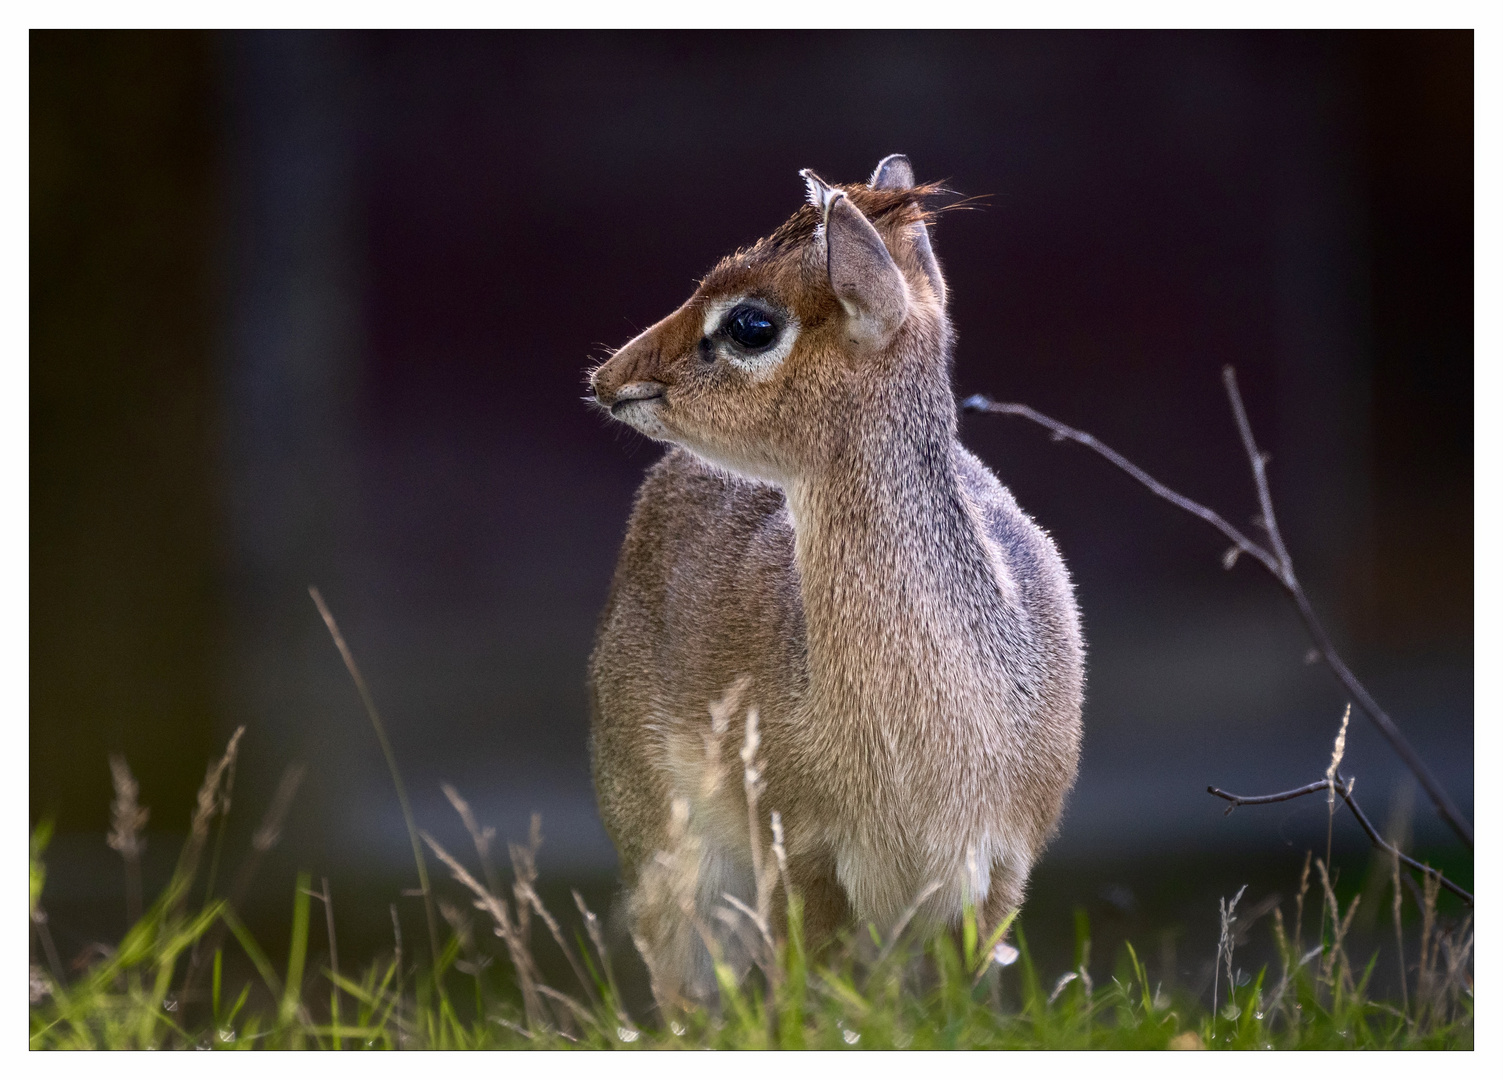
{"x": 868, "y": 284}
{"x": 893, "y": 173}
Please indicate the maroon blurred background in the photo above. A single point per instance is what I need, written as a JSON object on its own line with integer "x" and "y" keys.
{"x": 316, "y": 308}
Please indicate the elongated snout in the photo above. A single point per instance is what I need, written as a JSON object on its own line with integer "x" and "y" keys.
{"x": 649, "y": 364}
{"x": 633, "y": 374}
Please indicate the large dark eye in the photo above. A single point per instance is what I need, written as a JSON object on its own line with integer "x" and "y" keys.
{"x": 750, "y": 327}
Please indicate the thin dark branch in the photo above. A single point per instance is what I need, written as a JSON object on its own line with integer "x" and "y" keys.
{"x": 1276, "y": 561}
{"x": 1344, "y": 789}
{"x": 1259, "y": 462}
{"x": 1443, "y": 802}
{"x": 981, "y": 403}
{"x": 1256, "y": 800}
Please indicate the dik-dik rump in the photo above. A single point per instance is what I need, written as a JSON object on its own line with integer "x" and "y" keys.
{"x": 906, "y": 634}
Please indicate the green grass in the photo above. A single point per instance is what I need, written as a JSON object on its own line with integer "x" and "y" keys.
{"x": 917, "y": 994}
{"x": 192, "y": 975}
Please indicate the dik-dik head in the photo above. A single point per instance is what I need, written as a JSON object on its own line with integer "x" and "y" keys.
{"x": 782, "y": 344}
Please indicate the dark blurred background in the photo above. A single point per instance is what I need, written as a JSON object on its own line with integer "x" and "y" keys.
{"x": 316, "y": 309}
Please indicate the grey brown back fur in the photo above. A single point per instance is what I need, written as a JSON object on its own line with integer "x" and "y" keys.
{"x": 818, "y": 539}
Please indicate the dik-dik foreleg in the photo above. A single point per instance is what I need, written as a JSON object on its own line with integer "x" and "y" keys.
{"x": 826, "y": 909}
{"x": 674, "y": 920}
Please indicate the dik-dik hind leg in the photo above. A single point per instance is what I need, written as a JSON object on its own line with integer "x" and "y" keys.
{"x": 1004, "y": 896}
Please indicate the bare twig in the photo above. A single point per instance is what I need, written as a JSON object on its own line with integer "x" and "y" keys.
{"x": 1274, "y": 558}
{"x": 391, "y": 763}
{"x": 1344, "y": 789}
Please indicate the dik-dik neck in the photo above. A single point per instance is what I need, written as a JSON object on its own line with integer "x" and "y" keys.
{"x": 900, "y": 589}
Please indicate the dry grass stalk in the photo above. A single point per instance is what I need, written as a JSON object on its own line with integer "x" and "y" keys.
{"x": 721, "y": 714}
{"x": 524, "y": 881}
{"x": 480, "y": 837}
{"x": 506, "y": 930}
{"x": 597, "y": 939}
{"x": 1286, "y": 961}
{"x": 270, "y": 830}
{"x": 210, "y": 800}
{"x": 1333, "y": 966}
{"x": 524, "y": 871}
{"x": 1299, "y": 902}
{"x": 779, "y": 851}
{"x": 396, "y": 1010}
{"x": 327, "y": 897}
{"x": 391, "y": 763}
{"x": 127, "y": 818}
{"x": 667, "y": 912}
{"x": 1338, "y": 751}
{"x": 460, "y": 926}
{"x": 524, "y": 865}
{"x": 764, "y": 873}
{"x": 754, "y": 786}
{"x": 226, "y": 789}
{"x": 903, "y": 920}
{"x": 266, "y": 837}
{"x": 1224, "y": 947}
{"x": 1398, "y": 933}
{"x": 1458, "y": 950}
{"x": 1425, "y": 989}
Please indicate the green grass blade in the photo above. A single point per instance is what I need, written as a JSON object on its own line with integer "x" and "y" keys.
{"x": 297, "y": 951}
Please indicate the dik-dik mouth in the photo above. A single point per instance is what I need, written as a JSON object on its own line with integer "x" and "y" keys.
{"x": 635, "y": 394}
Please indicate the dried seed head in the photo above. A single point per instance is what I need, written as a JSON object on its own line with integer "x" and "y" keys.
{"x": 128, "y": 817}
{"x": 1337, "y": 753}
{"x": 778, "y": 850}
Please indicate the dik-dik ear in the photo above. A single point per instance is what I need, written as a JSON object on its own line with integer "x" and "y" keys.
{"x": 893, "y": 173}
{"x": 868, "y": 284}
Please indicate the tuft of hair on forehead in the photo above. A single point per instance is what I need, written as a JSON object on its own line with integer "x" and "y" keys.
{"x": 885, "y": 209}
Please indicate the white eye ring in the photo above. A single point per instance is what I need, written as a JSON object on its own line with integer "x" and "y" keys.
{"x": 757, "y": 365}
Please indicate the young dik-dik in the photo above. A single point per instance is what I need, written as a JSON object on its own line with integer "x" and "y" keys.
{"x": 906, "y": 634}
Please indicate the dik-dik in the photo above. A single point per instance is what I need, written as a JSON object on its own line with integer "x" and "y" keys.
{"x": 907, "y": 635}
